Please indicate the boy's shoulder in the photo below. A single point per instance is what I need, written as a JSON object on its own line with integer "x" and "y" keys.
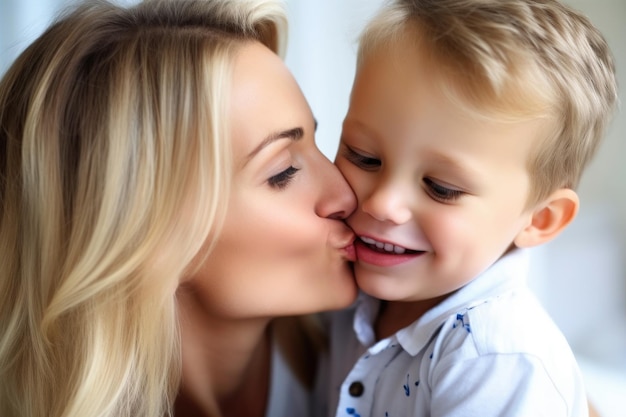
{"x": 512, "y": 323}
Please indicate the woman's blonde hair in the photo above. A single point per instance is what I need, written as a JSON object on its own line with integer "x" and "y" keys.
{"x": 515, "y": 60}
{"x": 114, "y": 171}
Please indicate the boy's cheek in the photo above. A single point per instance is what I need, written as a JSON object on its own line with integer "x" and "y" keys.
{"x": 355, "y": 179}
{"x": 342, "y": 164}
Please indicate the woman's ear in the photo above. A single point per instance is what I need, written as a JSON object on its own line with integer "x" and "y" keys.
{"x": 549, "y": 218}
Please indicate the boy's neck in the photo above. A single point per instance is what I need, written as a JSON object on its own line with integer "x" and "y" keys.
{"x": 396, "y": 315}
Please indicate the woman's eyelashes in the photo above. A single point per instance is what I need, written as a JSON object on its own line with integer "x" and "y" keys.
{"x": 360, "y": 160}
{"x": 440, "y": 192}
{"x": 282, "y": 179}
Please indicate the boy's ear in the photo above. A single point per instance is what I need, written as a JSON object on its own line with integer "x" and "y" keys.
{"x": 549, "y": 218}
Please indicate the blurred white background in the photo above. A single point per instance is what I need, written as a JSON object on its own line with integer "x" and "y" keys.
{"x": 580, "y": 277}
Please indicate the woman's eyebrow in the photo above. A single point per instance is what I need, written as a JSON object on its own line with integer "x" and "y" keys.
{"x": 294, "y": 134}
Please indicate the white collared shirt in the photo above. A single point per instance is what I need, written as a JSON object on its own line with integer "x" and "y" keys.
{"x": 489, "y": 349}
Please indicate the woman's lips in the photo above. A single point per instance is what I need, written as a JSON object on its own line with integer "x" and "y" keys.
{"x": 371, "y": 254}
{"x": 350, "y": 252}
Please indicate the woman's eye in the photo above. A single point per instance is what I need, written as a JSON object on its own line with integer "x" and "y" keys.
{"x": 282, "y": 179}
{"x": 364, "y": 162}
{"x": 441, "y": 193}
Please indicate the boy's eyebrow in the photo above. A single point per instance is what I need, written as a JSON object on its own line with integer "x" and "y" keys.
{"x": 444, "y": 159}
{"x": 294, "y": 134}
{"x": 453, "y": 163}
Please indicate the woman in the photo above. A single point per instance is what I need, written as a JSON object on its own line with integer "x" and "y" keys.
{"x": 159, "y": 183}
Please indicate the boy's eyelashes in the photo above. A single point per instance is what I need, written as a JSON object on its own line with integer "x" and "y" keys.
{"x": 440, "y": 192}
{"x": 437, "y": 191}
{"x": 361, "y": 160}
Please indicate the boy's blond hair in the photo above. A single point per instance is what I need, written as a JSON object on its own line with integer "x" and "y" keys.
{"x": 515, "y": 60}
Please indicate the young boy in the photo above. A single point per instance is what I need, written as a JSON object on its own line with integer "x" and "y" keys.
{"x": 469, "y": 125}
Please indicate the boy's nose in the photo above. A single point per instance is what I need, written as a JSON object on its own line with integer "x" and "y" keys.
{"x": 388, "y": 203}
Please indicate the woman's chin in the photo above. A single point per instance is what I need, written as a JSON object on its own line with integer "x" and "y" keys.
{"x": 340, "y": 298}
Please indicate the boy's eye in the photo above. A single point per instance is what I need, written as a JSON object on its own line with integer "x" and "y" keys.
{"x": 282, "y": 179}
{"x": 364, "y": 162}
{"x": 440, "y": 192}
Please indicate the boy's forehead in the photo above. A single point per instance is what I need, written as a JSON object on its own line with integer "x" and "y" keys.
{"x": 399, "y": 93}
{"x": 466, "y": 83}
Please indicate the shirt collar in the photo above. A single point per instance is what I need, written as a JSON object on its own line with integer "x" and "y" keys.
{"x": 508, "y": 273}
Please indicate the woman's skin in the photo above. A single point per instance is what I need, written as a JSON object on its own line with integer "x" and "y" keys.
{"x": 283, "y": 249}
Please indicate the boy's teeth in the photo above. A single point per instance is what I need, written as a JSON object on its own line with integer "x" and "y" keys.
{"x": 368, "y": 240}
{"x": 387, "y": 247}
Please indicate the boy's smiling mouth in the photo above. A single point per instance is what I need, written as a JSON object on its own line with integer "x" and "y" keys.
{"x": 383, "y": 254}
{"x": 386, "y": 247}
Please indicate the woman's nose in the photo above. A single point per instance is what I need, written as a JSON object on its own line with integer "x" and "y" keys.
{"x": 337, "y": 200}
{"x": 388, "y": 202}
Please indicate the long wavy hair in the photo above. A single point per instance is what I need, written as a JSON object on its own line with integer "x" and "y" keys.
{"x": 114, "y": 162}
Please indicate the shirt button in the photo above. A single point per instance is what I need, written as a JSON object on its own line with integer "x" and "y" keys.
{"x": 356, "y": 389}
